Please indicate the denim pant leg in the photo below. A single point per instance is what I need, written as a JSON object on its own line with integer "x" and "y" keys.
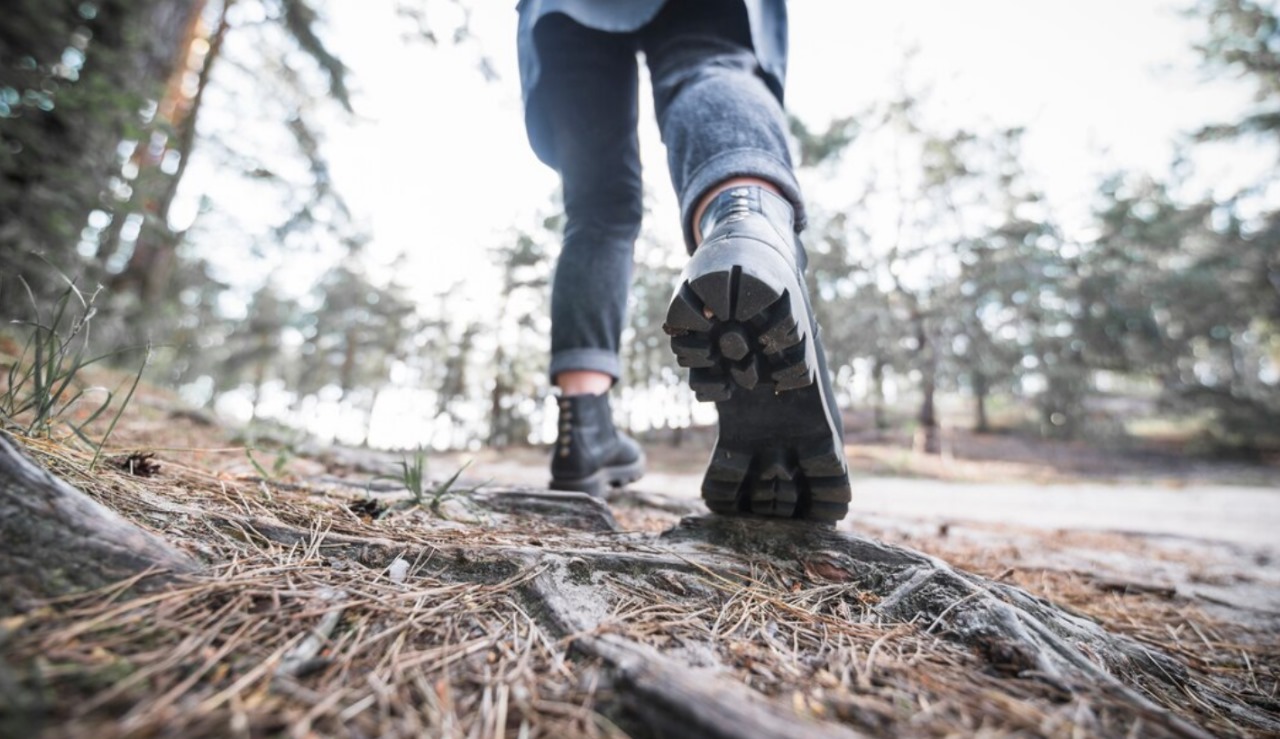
{"x": 718, "y": 117}
{"x": 589, "y": 90}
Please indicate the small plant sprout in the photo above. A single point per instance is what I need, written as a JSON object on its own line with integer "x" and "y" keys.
{"x": 445, "y": 489}
{"x": 413, "y": 476}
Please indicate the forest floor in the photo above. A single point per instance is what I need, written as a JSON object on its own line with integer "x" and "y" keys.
{"x": 304, "y": 640}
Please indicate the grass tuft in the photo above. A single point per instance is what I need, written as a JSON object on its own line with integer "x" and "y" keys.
{"x": 413, "y": 476}
{"x": 43, "y": 383}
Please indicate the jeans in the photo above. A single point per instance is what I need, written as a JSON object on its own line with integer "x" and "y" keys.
{"x": 718, "y": 118}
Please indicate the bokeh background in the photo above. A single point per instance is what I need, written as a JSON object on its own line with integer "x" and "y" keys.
{"x": 1039, "y": 230}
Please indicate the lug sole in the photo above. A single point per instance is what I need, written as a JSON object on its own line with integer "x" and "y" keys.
{"x": 740, "y": 323}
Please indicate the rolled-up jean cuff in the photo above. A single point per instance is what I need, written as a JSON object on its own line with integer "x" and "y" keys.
{"x": 738, "y": 163}
{"x": 592, "y": 360}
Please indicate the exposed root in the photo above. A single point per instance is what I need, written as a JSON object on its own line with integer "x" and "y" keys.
{"x": 540, "y": 619}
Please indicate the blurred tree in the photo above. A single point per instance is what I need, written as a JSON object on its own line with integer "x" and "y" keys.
{"x": 945, "y": 267}
{"x": 278, "y": 73}
{"x": 1190, "y": 295}
{"x": 859, "y": 322}
{"x": 999, "y": 327}
{"x": 859, "y": 319}
{"x": 1012, "y": 320}
{"x": 443, "y": 359}
{"x": 358, "y": 329}
{"x": 254, "y": 350}
{"x": 652, "y": 386}
{"x": 1186, "y": 289}
{"x": 935, "y": 208}
{"x": 455, "y": 388}
{"x": 1243, "y": 40}
{"x": 76, "y": 79}
{"x": 521, "y": 333}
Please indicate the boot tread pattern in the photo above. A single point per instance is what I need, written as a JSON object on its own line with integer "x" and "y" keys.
{"x": 745, "y": 347}
{"x": 785, "y": 481}
{"x": 735, "y": 330}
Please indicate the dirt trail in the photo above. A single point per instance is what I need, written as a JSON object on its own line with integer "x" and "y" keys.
{"x": 1242, "y": 515}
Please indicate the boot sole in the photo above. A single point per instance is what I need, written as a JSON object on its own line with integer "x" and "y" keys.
{"x": 740, "y": 323}
{"x": 595, "y": 484}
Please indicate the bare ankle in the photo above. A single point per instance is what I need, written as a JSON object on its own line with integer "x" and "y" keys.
{"x": 583, "y": 382}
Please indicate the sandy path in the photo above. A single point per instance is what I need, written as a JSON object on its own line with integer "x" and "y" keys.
{"x": 1236, "y": 514}
{"x": 1242, "y": 515}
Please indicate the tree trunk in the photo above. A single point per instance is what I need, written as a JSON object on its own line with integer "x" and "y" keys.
{"x": 499, "y": 424}
{"x": 927, "y": 434}
{"x": 877, "y": 395}
{"x": 50, "y": 185}
{"x": 982, "y": 424}
{"x": 56, "y": 540}
{"x": 151, "y": 265}
{"x": 347, "y": 374}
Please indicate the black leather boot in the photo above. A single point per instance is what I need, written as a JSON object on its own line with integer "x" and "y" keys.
{"x": 590, "y": 453}
{"x": 741, "y": 321}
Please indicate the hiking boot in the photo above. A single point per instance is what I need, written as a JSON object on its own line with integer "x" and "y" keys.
{"x": 590, "y": 453}
{"x": 741, "y": 322}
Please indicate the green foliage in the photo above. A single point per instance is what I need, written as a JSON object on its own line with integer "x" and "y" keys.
{"x": 819, "y": 148}
{"x": 301, "y": 19}
{"x": 1185, "y": 293}
{"x": 44, "y": 382}
{"x": 978, "y": 290}
{"x": 413, "y": 476}
{"x": 1183, "y": 290}
{"x": 285, "y": 450}
{"x": 358, "y": 330}
{"x": 521, "y": 331}
{"x": 53, "y": 354}
{"x": 968, "y": 292}
{"x": 647, "y": 366}
{"x": 1243, "y": 39}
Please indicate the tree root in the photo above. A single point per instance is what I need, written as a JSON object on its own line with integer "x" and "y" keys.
{"x": 1016, "y": 635}
{"x": 683, "y": 621}
{"x": 56, "y": 540}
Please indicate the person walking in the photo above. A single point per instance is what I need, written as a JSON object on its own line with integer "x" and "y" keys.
{"x": 740, "y": 318}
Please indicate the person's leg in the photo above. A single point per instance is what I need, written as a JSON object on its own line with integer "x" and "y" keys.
{"x": 740, "y": 318}
{"x": 587, "y": 96}
{"x": 718, "y": 118}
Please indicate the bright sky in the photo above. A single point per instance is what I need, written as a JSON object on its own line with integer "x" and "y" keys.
{"x": 441, "y": 168}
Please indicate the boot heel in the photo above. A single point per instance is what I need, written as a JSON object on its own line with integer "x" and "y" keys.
{"x": 741, "y": 323}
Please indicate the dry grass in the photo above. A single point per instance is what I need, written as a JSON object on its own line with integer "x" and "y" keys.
{"x": 308, "y": 639}
{"x": 283, "y": 640}
{"x": 1142, "y": 593}
{"x": 287, "y": 638}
